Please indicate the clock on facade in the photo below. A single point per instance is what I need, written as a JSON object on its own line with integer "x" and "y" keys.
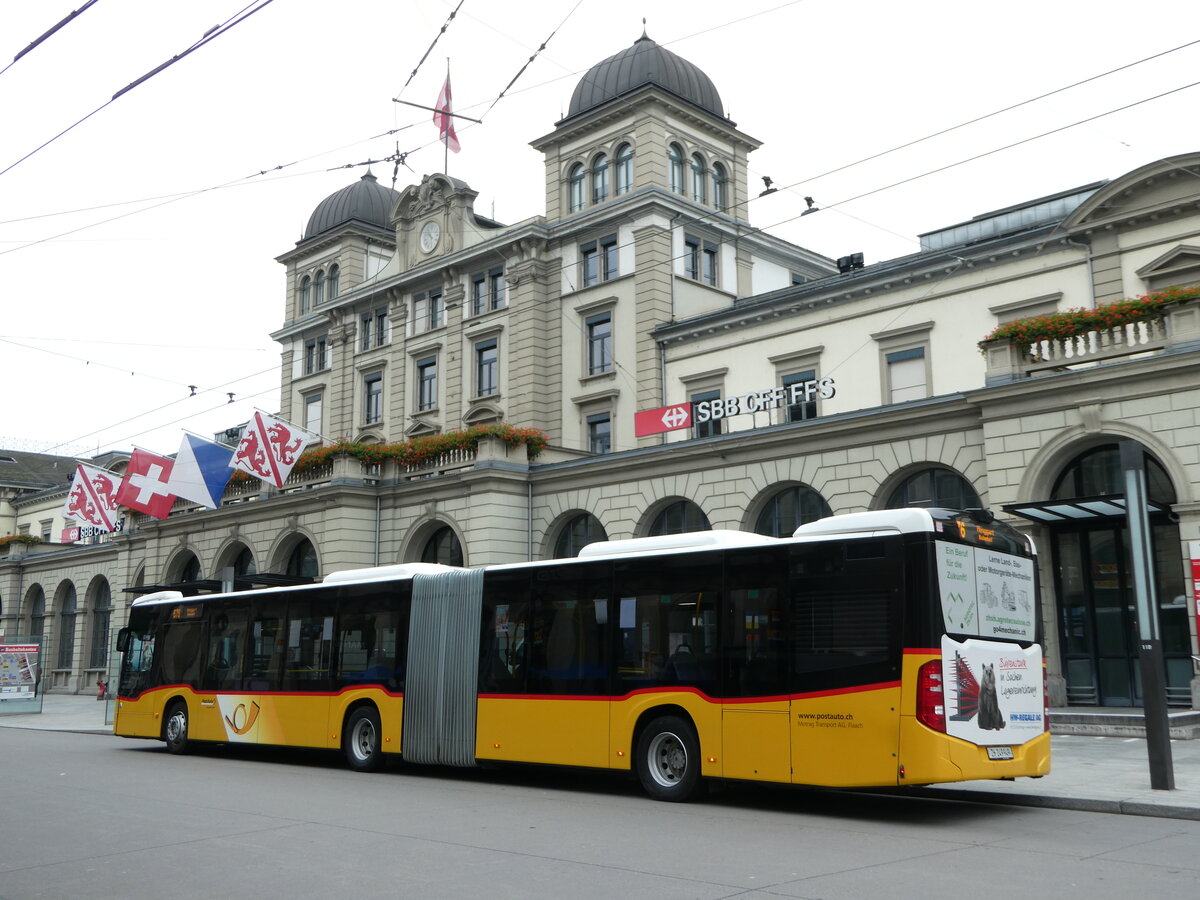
{"x": 430, "y": 234}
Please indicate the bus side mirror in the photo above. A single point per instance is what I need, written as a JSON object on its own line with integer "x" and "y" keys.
{"x": 122, "y": 640}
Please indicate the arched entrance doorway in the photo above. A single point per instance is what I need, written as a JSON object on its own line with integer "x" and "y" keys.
{"x": 1097, "y": 609}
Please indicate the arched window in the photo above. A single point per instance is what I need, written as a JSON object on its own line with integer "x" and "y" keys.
{"x": 189, "y": 568}
{"x": 37, "y": 613}
{"x": 302, "y": 561}
{"x": 934, "y": 488}
{"x": 101, "y": 617}
{"x": 680, "y": 517}
{"x": 335, "y": 273}
{"x": 305, "y": 294}
{"x": 600, "y": 179}
{"x": 675, "y": 166}
{"x": 1097, "y": 473}
{"x": 789, "y": 509}
{"x": 243, "y": 564}
{"x": 575, "y": 179}
{"x": 319, "y": 288}
{"x": 66, "y": 627}
{"x": 624, "y": 169}
{"x": 582, "y": 530}
{"x": 443, "y": 547}
{"x": 699, "y": 179}
{"x": 720, "y": 187}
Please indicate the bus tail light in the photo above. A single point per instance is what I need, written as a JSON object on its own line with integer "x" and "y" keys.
{"x": 931, "y": 699}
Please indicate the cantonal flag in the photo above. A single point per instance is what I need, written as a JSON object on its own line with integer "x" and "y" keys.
{"x": 442, "y": 118}
{"x": 270, "y": 448}
{"x": 201, "y": 470}
{"x": 146, "y": 486}
{"x": 92, "y": 499}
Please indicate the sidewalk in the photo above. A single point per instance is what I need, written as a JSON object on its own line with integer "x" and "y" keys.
{"x": 1097, "y": 774}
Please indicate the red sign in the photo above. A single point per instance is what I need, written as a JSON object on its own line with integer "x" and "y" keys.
{"x": 665, "y": 418}
{"x": 1194, "y": 547}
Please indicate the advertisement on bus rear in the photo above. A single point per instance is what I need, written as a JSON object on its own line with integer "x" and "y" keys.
{"x": 986, "y": 592}
{"x": 993, "y": 691}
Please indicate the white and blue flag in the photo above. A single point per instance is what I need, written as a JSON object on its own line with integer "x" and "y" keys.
{"x": 201, "y": 471}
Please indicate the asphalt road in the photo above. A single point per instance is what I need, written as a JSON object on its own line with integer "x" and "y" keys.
{"x": 93, "y": 816}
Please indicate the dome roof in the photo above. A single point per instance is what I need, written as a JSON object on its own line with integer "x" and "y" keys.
{"x": 366, "y": 202}
{"x": 642, "y": 64}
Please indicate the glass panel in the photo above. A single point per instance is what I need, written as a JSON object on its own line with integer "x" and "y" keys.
{"x": 227, "y": 643}
{"x": 1081, "y": 681}
{"x": 1110, "y": 600}
{"x": 372, "y": 635}
{"x": 1170, "y": 590}
{"x": 266, "y": 633}
{"x": 1072, "y": 600}
{"x": 756, "y": 643}
{"x": 568, "y": 653}
{"x": 1114, "y": 682}
{"x": 667, "y": 615}
{"x": 309, "y": 646}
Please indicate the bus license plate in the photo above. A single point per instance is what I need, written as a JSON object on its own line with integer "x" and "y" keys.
{"x": 1000, "y": 752}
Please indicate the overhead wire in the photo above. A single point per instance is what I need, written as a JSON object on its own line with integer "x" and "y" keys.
{"x": 53, "y": 30}
{"x": 209, "y": 36}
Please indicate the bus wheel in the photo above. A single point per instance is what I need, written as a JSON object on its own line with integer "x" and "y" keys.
{"x": 668, "y": 758}
{"x": 175, "y": 728}
{"x": 362, "y": 742}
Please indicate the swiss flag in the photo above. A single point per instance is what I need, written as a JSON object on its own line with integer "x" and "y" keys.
{"x": 145, "y": 486}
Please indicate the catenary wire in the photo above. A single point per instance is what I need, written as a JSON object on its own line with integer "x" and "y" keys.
{"x": 45, "y": 36}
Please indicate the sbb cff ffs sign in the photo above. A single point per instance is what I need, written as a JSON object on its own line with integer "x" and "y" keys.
{"x": 684, "y": 415}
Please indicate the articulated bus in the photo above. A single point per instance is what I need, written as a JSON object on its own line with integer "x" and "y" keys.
{"x": 880, "y": 648}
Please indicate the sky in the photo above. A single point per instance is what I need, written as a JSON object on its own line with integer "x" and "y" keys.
{"x": 137, "y": 250}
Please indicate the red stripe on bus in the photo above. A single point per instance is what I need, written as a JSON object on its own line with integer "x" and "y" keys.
{"x": 923, "y": 651}
{"x": 858, "y": 689}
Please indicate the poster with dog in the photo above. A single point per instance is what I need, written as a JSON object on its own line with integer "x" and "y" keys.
{"x": 993, "y": 691}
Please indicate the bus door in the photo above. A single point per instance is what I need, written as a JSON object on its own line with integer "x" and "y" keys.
{"x": 847, "y": 601}
{"x": 756, "y": 631}
{"x": 224, "y": 711}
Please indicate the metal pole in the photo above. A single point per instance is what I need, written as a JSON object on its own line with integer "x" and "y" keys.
{"x": 1154, "y": 692}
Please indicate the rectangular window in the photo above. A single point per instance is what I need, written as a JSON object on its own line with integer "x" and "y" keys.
{"x": 366, "y": 332}
{"x": 487, "y": 368}
{"x": 589, "y": 259}
{"x": 805, "y": 406}
{"x": 427, "y": 383}
{"x": 599, "y": 433}
{"x": 496, "y": 295}
{"x": 312, "y": 413}
{"x": 429, "y": 312}
{"x": 708, "y": 263}
{"x": 906, "y": 375}
{"x": 608, "y": 265}
{"x": 599, "y": 343}
{"x": 691, "y": 258}
{"x": 487, "y": 291}
{"x": 712, "y": 426}
{"x": 478, "y": 294}
{"x": 373, "y": 398}
{"x": 316, "y": 357}
{"x": 381, "y": 326}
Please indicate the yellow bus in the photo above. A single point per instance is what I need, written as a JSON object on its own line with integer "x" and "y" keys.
{"x": 879, "y": 648}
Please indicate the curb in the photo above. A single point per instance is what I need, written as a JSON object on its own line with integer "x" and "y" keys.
{"x": 1079, "y": 804}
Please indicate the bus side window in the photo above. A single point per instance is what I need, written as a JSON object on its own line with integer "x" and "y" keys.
{"x": 502, "y": 645}
{"x": 226, "y": 645}
{"x": 267, "y": 640}
{"x": 181, "y": 656}
{"x": 309, "y": 645}
{"x": 371, "y": 636}
{"x": 569, "y": 648}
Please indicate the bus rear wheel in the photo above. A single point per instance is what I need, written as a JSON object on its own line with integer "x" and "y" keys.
{"x": 668, "y": 759}
{"x": 175, "y": 728}
{"x": 362, "y": 741}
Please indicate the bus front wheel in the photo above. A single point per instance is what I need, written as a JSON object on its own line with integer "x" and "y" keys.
{"x": 175, "y": 728}
{"x": 668, "y": 757}
{"x": 363, "y": 743}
